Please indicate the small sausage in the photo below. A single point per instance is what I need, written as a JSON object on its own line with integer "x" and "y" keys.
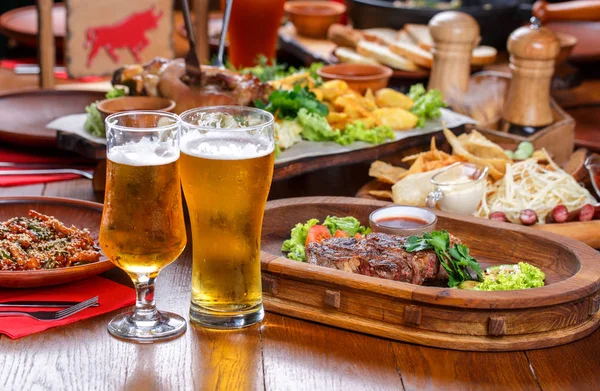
{"x": 498, "y": 216}
{"x": 585, "y": 213}
{"x": 559, "y": 214}
{"x": 528, "y": 217}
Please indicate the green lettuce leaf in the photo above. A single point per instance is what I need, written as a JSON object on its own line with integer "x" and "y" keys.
{"x": 294, "y": 246}
{"x": 93, "y": 121}
{"x": 357, "y": 131}
{"x": 348, "y": 224}
{"x": 315, "y": 127}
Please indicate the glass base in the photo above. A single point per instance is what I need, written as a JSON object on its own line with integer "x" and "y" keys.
{"x": 167, "y": 326}
{"x": 216, "y": 320}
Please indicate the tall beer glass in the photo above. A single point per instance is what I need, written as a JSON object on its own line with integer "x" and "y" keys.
{"x": 227, "y": 155}
{"x": 142, "y": 227}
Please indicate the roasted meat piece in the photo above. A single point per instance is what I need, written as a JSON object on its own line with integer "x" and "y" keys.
{"x": 378, "y": 255}
{"x": 169, "y": 79}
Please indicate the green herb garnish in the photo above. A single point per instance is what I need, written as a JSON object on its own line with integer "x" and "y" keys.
{"x": 455, "y": 259}
{"x": 286, "y": 104}
{"x": 266, "y": 71}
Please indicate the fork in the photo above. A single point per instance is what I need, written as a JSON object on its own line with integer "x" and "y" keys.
{"x": 49, "y": 171}
{"x": 54, "y": 315}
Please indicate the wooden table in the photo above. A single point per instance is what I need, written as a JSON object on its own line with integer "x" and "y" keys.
{"x": 281, "y": 354}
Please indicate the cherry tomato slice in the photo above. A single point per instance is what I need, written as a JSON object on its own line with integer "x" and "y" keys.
{"x": 317, "y": 233}
{"x": 340, "y": 234}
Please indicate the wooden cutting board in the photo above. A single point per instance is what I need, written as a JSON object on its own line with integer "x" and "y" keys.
{"x": 564, "y": 310}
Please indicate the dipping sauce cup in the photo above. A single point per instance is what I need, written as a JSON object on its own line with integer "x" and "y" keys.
{"x": 402, "y": 220}
{"x": 458, "y": 189}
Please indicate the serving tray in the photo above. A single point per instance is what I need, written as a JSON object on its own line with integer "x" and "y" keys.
{"x": 564, "y": 310}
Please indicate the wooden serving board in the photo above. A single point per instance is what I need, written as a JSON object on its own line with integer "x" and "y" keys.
{"x": 564, "y": 310}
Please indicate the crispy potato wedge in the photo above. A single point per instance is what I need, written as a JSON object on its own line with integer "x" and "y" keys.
{"x": 369, "y": 96}
{"x": 386, "y": 97}
{"x": 396, "y": 118}
{"x": 357, "y": 100}
{"x": 333, "y": 88}
{"x": 497, "y": 166}
{"x": 413, "y": 189}
{"x": 383, "y": 194}
{"x": 477, "y": 144}
{"x": 385, "y": 172}
{"x": 336, "y": 117}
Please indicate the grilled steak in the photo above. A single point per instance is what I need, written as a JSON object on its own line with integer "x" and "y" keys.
{"x": 378, "y": 255}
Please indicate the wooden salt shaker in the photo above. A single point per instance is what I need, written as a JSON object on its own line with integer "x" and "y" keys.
{"x": 455, "y": 35}
{"x": 533, "y": 50}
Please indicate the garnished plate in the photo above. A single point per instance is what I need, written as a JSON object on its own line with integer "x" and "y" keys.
{"x": 81, "y": 214}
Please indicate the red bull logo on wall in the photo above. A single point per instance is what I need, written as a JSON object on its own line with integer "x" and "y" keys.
{"x": 130, "y": 33}
{"x": 103, "y": 35}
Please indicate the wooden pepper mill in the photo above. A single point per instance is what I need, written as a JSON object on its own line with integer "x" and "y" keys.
{"x": 455, "y": 35}
{"x": 533, "y": 50}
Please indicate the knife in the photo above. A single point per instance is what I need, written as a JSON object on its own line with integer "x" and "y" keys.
{"x": 40, "y": 304}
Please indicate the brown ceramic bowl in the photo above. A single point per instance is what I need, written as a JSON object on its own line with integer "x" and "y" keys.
{"x": 313, "y": 18}
{"x": 359, "y": 77}
{"x": 134, "y": 103}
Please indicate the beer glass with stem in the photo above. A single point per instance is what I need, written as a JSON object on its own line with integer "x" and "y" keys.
{"x": 143, "y": 228}
{"x": 227, "y": 157}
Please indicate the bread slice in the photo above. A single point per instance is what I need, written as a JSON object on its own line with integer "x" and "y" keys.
{"x": 403, "y": 36}
{"x": 385, "y": 56}
{"x": 414, "y": 53}
{"x": 420, "y": 33}
{"x": 382, "y": 36}
{"x": 483, "y": 55}
{"x": 344, "y": 36}
{"x": 347, "y": 55}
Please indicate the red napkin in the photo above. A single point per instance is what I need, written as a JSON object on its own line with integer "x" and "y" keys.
{"x": 61, "y": 75}
{"x": 111, "y": 296}
{"x": 19, "y": 156}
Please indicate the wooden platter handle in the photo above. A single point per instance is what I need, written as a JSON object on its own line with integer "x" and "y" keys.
{"x": 588, "y": 10}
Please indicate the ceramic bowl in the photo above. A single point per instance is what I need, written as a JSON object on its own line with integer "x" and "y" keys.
{"x": 378, "y": 217}
{"x": 313, "y": 18}
{"x": 133, "y": 103}
{"x": 359, "y": 77}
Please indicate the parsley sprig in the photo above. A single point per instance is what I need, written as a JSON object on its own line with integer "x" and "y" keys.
{"x": 455, "y": 259}
{"x": 286, "y": 104}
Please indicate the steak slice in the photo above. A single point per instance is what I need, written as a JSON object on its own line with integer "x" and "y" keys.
{"x": 378, "y": 255}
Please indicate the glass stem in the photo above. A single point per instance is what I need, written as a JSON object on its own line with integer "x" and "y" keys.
{"x": 145, "y": 307}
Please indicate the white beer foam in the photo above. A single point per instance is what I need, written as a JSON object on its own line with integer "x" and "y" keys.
{"x": 143, "y": 153}
{"x": 217, "y": 148}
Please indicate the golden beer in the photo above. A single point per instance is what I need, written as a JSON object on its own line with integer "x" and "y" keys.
{"x": 142, "y": 227}
{"x": 226, "y": 195}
